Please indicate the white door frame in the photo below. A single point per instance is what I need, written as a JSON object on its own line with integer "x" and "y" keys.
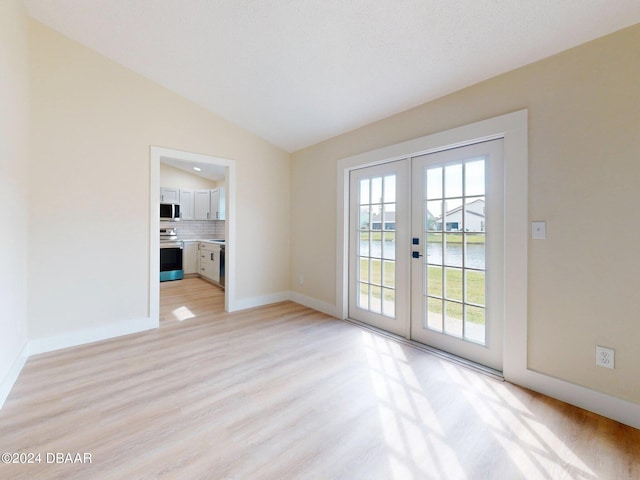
{"x": 512, "y": 128}
{"x": 156, "y": 154}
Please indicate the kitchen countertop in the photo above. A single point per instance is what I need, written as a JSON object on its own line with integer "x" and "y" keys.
{"x": 206, "y": 240}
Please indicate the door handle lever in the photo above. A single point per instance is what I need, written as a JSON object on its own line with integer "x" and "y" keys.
{"x": 416, "y": 254}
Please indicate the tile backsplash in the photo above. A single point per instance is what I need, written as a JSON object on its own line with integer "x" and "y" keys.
{"x": 195, "y": 229}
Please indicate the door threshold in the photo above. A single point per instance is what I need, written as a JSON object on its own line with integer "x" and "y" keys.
{"x": 496, "y": 374}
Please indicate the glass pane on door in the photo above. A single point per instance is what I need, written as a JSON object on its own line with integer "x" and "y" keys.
{"x": 376, "y": 249}
{"x": 454, "y": 209}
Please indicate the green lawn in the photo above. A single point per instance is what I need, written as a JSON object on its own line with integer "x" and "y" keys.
{"x": 377, "y": 236}
{"x": 475, "y": 284}
{"x": 474, "y": 238}
{"x": 377, "y": 272}
{"x": 454, "y": 291}
{"x": 383, "y": 274}
{"x": 475, "y": 288}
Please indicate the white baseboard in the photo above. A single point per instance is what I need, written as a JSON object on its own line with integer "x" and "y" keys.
{"x": 608, "y": 406}
{"x": 252, "y": 302}
{"x": 90, "y": 335}
{"x": 12, "y": 375}
{"x": 296, "y": 297}
{"x": 314, "y": 304}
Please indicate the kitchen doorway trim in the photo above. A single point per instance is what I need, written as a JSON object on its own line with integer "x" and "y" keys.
{"x": 156, "y": 155}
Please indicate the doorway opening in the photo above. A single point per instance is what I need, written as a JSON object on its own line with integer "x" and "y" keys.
{"x": 220, "y": 174}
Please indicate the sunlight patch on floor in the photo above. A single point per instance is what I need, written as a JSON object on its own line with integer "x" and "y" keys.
{"x": 183, "y": 313}
{"x": 414, "y": 436}
{"x": 535, "y": 449}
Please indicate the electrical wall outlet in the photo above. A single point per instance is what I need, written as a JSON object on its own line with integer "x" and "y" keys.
{"x": 605, "y": 357}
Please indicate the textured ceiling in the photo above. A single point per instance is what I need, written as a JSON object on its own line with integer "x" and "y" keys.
{"x": 296, "y": 72}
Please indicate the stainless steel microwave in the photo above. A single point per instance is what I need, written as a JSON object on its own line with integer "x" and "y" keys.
{"x": 170, "y": 211}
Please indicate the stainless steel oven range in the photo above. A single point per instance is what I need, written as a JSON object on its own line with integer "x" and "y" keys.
{"x": 170, "y": 255}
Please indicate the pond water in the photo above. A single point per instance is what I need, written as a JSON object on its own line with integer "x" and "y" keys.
{"x": 475, "y": 255}
{"x": 453, "y": 254}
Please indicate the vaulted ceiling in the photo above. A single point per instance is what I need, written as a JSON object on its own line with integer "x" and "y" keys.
{"x": 296, "y": 72}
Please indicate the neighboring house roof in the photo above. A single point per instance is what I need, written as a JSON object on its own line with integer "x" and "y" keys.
{"x": 389, "y": 217}
{"x": 475, "y": 203}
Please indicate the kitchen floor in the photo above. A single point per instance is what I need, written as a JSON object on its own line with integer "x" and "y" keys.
{"x": 187, "y": 299}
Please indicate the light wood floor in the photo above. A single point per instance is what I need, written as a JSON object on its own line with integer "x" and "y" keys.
{"x": 284, "y": 392}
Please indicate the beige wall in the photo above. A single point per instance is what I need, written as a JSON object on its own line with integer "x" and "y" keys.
{"x": 584, "y": 144}
{"x": 14, "y": 181}
{"x": 92, "y": 123}
{"x": 175, "y": 178}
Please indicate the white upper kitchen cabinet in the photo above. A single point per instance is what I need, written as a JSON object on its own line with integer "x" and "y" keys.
{"x": 169, "y": 195}
{"x": 187, "y": 204}
{"x": 218, "y": 211}
{"x": 202, "y": 205}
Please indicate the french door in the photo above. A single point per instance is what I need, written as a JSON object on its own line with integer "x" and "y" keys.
{"x": 457, "y": 236}
{"x": 426, "y": 249}
{"x": 379, "y": 227}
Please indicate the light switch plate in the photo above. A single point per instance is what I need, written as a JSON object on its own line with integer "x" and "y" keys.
{"x": 539, "y": 230}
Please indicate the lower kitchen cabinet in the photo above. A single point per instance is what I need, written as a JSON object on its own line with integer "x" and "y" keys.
{"x": 210, "y": 261}
{"x": 190, "y": 258}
